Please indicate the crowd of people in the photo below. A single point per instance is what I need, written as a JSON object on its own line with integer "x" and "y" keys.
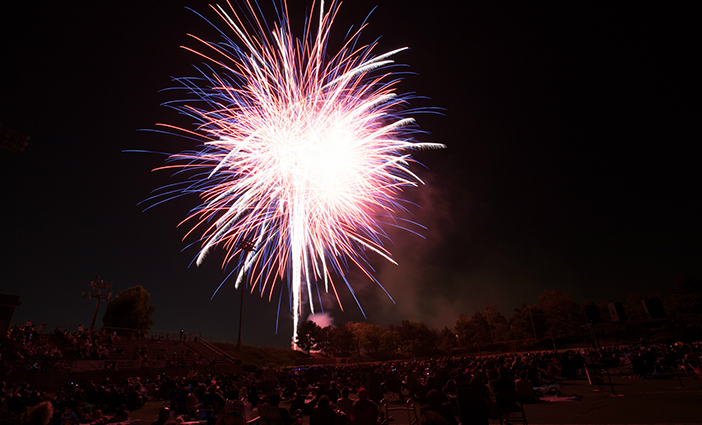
{"x": 650, "y": 360}
{"x": 450, "y": 390}
{"x": 25, "y": 350}
{"x": 24, "y": 346}
{"x": 88, "y": 344}
{"x": 73, "y": 403}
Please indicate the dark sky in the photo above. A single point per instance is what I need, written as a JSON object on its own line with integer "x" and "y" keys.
{"x": 572, "y": 161}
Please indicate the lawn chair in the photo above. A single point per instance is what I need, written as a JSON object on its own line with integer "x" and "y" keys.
{"x": 385, "y": 411}
{"x": 413, "y": 409}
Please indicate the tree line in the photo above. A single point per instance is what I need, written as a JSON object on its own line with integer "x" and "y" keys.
{"x": 556, "y": 317}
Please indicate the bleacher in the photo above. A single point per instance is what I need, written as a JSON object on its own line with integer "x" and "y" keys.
{"x": 62, "y": 345}
{"x": 165, "y": 353}
{"x": 182, "y": 353}
{"x": 25, "y": 364}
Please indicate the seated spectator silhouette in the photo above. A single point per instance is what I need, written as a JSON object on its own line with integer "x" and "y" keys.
{"x": 473, "y": 400}
{"x": 40, "y": 414}
{"x": 163, "y": 415}
{"x": 121, "y": 415}
{"x": 437, "y": 402}
{"x": 334, "y": 392}
{"x": 413, "y": 382}
{"x": 504, "y": 390}
{"x": 525, "y": 391}
{"x": 253, "y": 397}
{"x": 363, "y": 410}
{"x": 323, "y": 413}
{"x": 213, "y": 399}
{"x": 134, "y": 400}
{"x": 344, "y": 403}
{"x": 300, "y": 403}
{"x": 191, "y": 403}
{"x": 285, "y": 417}
{"x": 269, "y": 414}
{"x": 233, "y": 413}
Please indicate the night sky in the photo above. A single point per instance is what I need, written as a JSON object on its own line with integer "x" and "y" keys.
{"x": 572, "y": 163}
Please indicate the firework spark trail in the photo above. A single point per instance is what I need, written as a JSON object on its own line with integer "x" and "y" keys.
{"x": 304, "y": 156}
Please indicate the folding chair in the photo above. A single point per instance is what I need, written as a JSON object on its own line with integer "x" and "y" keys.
{"x": 413, "y": 409}
{"x": 385, "y": 410}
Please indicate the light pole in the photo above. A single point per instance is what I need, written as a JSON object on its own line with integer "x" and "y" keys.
{"x": 98, "y": 285}
{"x": 247, "y": 246}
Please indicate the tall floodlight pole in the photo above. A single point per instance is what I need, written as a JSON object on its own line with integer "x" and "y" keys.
{"x": 96, "y": 286}
{"x": 246, "y": 246}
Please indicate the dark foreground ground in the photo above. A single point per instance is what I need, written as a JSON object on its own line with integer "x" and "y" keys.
{"x": 637, "y": 401}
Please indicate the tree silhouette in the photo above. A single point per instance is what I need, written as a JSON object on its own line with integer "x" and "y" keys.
{"x": 563, "y": 315}
{"x": 343, "y": 340}
{"x": 520, "y": 323}
{"x": 371, "y": 338}
{"x": 322, "y": 341}
{"x": 307, "y": 335}
{"x": 389, "y": 342}
{"x": 685, "y": 301}
{"x": 415, "y": 338}
{"x": 499, "y": 326}
{"x": 446, "y": 340}
{"x": 473, "y": 331}
{"x": 130, "y": 309}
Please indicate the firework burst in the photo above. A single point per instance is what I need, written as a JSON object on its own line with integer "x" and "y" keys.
{"x": 305, "y": 153}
